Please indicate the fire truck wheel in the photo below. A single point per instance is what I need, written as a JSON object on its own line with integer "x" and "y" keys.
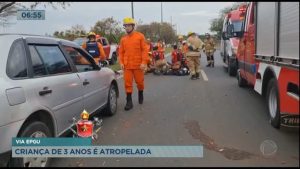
{"x": 273, "y": 103}
{"x": 231, "y": 69}
{"x": 112, "y": 103}
{"x": 241, "y": 81}
{"x": 33, "y": 129}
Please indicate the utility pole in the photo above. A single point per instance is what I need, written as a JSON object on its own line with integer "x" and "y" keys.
{"x": 161, "y": 11}
{"x": 132, "y": 15}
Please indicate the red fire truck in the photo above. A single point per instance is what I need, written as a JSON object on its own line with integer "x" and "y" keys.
{"x": 268, "y": 57}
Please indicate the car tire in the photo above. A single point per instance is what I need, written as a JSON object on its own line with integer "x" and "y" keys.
{"x": 272, "y": 98}
{"x": 241, "y": 81}
{"x": 33, "y": 129}
{"x": 112, "y": 102}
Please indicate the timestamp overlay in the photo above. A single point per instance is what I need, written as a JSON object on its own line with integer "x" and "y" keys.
{"x": 31, "y": 15}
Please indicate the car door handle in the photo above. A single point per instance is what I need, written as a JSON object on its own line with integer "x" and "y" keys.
{"x": 85, "y": 82}
{"x": 45, "y": 91}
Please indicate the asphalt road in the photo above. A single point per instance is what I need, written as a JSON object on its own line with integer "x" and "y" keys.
{"x": 230, "y": 122}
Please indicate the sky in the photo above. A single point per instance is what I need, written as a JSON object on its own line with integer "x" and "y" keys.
{"x": 185, "y": 16}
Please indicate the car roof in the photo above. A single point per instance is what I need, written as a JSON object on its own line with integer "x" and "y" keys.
{"x": 31, "y": 38}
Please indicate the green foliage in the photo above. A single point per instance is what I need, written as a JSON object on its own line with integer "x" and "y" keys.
{"x": 156, "y": 31}
{"x": 71, "y": 34}
{"x": 109, "y": 28}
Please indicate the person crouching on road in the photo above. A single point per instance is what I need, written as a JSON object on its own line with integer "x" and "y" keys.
{"x": 159, "y": 60}
{"x": 133, "y": 58}
{"x": 209, "y": 49}
{"x": 94, "y": 48}
{"x": 149, "y": 51}
{"x": 176, "y": 59}
{"x": 193, "y": 54}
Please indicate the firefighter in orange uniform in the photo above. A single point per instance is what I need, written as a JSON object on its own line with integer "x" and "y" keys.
{"x": 133, "y": 60}
{"x": 160, "y": 46}
{"x": 176, "y": 58}
{"x": 149, "y": 51}
{"x": 94, "y": 48}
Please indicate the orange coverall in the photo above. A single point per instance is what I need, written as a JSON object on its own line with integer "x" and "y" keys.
{"x": 132, "y": 53}
{"x": 102, "y": 56}
{"x": 160, "y": 47}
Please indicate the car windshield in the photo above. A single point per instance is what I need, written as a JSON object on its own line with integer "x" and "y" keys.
{"x": 79, "y": 41}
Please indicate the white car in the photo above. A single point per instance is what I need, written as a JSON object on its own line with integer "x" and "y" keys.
{"x": 44, "y": 83}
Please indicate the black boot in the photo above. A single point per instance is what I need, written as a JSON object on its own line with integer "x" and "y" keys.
{"x": 197, "y": 76}
{"x": 193, "y": 77}
{"x": 129, "y": 104}
{"x": 213, "y": 61}
{"x": 141, "y": 97}
{"x": 208, "y": 61}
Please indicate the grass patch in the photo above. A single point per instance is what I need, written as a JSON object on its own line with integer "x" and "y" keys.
{"x": 115, "y": 67}
{"x": 168, "y": 50}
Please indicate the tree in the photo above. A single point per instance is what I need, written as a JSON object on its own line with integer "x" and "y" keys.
{"x": 156, "y": 31}
{"x": 8, "y": 9}
{"x": 78, "y": 30}
{"x": 71, "y": 34}
{"x": 217, "y": 23}
{"x": 56, "y": 34}
{"x": 109, "y": 28}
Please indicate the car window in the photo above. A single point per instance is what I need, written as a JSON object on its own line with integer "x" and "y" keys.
{"x": 82, "y": 64}
{"x": 17, "y": 64}
{"x": 37, "y": 63}
{"x": 54, "y": 60}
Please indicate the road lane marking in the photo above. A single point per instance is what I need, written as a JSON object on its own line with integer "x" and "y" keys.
{"x": 204, "y": 75}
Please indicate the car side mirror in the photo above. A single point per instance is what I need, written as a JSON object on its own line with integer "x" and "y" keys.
{"x": 104, "y": 63}
{"x": 230, "y": 31}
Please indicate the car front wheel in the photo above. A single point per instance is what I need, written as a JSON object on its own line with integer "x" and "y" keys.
{"x": 112, "y": 102}
{"x": 34, "y": 129}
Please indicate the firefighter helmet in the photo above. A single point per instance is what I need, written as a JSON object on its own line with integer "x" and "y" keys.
{"x": 90, "y": 34}
{"x": 128, "y": 21}
{"x": 190, "y": 33}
